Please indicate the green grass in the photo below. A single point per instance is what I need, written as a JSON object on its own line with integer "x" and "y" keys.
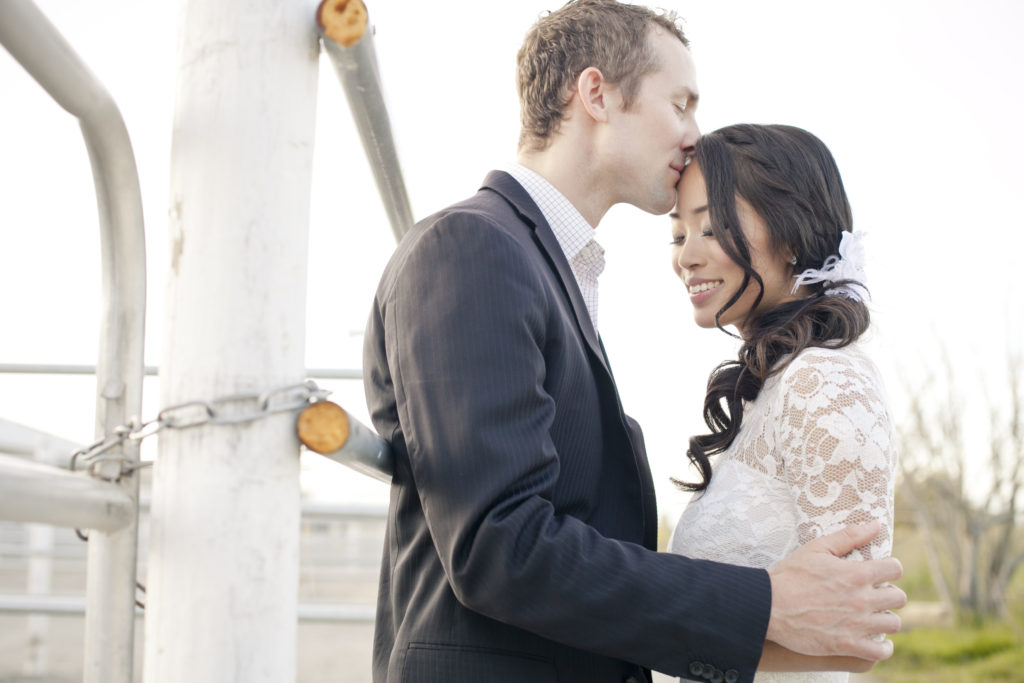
{"x": 941, "y": 656}
{"x": 953, "y": 645}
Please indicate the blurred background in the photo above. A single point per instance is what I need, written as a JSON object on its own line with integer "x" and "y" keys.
{"x": 920, "y": 103}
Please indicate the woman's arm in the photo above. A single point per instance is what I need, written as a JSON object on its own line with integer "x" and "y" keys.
{"x": 837, "y": 444}
{"x": 774, "y": 657}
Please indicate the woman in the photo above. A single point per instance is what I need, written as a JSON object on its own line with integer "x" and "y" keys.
{"x": 762, "y": 238}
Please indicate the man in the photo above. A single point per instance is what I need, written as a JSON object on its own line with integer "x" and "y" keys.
{"x": 522, "y": 519}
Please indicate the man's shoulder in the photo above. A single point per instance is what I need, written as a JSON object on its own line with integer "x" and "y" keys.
{"x": 480, "y": 212}
{"x": 500, "y": 195}
{"x": 469, "y": 229}
{"x": 500, "y": 203}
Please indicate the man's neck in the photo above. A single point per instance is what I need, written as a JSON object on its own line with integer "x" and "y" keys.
{"x": 571, "y": 175}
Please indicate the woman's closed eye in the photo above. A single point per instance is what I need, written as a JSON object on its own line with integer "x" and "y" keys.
{"x": 679, "y": 239}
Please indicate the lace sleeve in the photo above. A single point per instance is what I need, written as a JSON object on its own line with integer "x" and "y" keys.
{"x": 837, "y": 443}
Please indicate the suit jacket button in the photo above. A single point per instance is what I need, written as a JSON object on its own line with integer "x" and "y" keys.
{"x": 631, "y": 679}
{"x": 731, "y": 676}
{"x": 696, "y": 668}
{"x": 717, "y": 677}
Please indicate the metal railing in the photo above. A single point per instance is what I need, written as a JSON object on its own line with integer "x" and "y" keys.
{"x": 149, "y": 370}
{"x": 105, "y": 500}
{"x": 325, "y": 550}
{"x": 41, "y": 50}
{"x": 339, "y": 560}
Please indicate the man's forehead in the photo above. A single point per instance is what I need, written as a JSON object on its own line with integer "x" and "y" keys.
{"x": 674, "y": 64}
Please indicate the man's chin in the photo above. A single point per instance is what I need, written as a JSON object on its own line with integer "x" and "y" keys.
{"x": 659, "y": 206}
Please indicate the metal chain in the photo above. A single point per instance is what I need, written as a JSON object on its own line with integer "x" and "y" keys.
{"x": 233, "y": 409}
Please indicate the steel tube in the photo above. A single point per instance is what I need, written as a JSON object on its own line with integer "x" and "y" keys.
{"x": 65, "y": 605}
{"x": 328, "y": 429}
{"x": 37, "y": 45}
{"x": 56, "y": 605}
{"x": 58, "y": 369}
{"x": 19, "y": 439}
{"x": 359, "y": 74}
{"x": 32, "y": 492}
{"x": 151, "y": 370}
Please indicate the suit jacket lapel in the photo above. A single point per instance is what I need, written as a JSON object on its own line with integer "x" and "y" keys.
{"x": 514, "y": 194}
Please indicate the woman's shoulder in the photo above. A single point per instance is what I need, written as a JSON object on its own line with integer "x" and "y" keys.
{"x": 838, "y": 387}
{"x": 848, "y": 364}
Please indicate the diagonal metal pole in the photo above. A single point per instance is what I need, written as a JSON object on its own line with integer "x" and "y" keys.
{"x": 327, "y": 428}
{"x": 348, "y": 40}
{"x": 35, "y": 43}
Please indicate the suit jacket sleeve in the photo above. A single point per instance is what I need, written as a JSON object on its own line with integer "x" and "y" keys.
{"x": 465, "y": 322}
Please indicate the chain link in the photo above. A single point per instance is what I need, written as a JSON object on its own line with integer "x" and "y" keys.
{"x": 223, "y": 410}
{"x": 233, "y": 409}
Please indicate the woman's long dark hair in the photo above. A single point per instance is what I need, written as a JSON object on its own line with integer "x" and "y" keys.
{"x": 790, "y": 179}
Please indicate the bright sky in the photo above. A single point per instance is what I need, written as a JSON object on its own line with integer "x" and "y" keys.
{"x": 918, "y": 100}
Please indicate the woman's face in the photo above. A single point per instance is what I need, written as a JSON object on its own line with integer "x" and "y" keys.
{"x": 710, "y": 276}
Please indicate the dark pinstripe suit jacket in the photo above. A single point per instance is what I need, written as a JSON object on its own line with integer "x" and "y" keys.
{"x": 522, "y": 510}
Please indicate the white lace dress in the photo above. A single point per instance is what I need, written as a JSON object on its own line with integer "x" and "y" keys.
{"x": 815, "y": 453}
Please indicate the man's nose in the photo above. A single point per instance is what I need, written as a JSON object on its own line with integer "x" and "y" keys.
{"x": 690, "y": 138}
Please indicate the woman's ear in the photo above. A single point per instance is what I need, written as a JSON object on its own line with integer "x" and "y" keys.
{"x": 596, "y": 94}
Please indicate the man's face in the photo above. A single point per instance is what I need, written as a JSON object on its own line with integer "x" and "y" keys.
{"x": 648, "y": 143}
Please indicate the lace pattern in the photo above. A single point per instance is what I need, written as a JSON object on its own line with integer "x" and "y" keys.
{"x": 816, "y": 452}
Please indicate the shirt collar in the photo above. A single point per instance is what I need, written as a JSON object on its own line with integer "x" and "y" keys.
{"x": 571, "y": 229}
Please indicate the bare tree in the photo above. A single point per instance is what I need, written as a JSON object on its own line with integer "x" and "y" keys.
{"x": 972, "y": 537}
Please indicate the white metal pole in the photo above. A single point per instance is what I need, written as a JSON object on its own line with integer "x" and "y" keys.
{"x": 40, "y": 582}
{"x": 222, "y": 584}
{"x": 112, "y": 561}
{"x": 41, "y": 544}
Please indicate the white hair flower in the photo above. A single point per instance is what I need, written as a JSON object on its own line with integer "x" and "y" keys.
{"x": 847, "y": 265}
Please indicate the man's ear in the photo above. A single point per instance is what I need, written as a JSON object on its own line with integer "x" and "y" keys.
{"x": 596, "y": 94}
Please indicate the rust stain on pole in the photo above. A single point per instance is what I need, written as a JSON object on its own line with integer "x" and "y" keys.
{"x": 343, "y": 21}
{"x": 323, "y": 427}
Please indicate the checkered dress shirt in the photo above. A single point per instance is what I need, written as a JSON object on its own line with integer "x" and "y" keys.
{"x": 575, "y": 236}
